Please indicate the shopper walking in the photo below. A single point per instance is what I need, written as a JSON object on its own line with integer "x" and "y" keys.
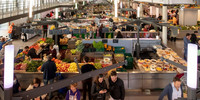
{"x": 73, "y": 93}
{"x": 186, "y": 40}
{"x": 174, "y": 33}
{"x": 116, "y": 87}
{"x": 45, "y": 29}
{"x": 172, "y": 90}
{"x": 99, "y": 88}
{"x": 10, "y": 30}
{"x": 88, "y": 82}
{"x": 49, "y": 72}
{"x": 101, "y": 31}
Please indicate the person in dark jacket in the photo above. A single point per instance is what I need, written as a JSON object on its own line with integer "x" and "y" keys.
{"x": 116, "y": 87}
{"x": 172, "y": 90}
{"x": 88, "y": 82}
{"x": 119, "y": 35}
{"x": 186, "y": 40}
{"x": 45, "y": 29}
{"x": 99, "y": 88}
{"x": 49, "y": 72}
{"x": 16, "y": 85}
{"x": 32, "y": 53}
{"x": 101, "y": 31}
{"x": 193, "y": 38}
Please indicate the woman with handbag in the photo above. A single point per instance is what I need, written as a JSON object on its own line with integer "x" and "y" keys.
{"x": 99, "y": 88}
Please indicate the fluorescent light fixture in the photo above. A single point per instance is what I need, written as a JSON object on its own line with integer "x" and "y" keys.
{"x": 157, "y": 12}
{"x": 192, "y": 66}
{"x": 121, "y": 4}
{"x": 76, "y": 6}
{"x": 56, "y": 13}
{"x": 9, "y": 66}
{"x": 138, "y": 11}
{"x": 116, "y": 15}
{"x": 30, "y": 8}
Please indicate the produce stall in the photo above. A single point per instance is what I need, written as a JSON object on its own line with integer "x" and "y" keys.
{"x": 147, "y": 73}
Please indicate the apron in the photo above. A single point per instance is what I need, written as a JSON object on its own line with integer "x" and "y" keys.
{"x": 71, "y": 97}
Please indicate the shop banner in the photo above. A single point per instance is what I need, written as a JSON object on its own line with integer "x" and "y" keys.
{"x": 31, "y": 31}
{"x": 59, "y": 32}
{"x": 83, "y": 31}
{"x": 76, "y": 31}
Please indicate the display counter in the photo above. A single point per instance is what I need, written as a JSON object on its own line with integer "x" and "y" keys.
{"x": 129, "y": 43}
{"x": 132, "y": 79}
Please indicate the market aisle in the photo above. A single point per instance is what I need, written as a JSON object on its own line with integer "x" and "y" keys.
{"x": 177, "y": 47}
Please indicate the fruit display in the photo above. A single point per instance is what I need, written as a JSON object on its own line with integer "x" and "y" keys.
{"x": 98, "y": 65}
{"x": 119, "y": 55}
{"x": 78, "y": 42}
{"x": 73, "y": 67}
{"x": 64, "y": 41}
{"x": 99, "y": 45}
{"x": 73, "y": 51}
{"x": 155, "y": 65}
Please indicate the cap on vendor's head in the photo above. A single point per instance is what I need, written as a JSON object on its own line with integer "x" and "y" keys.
{"x": 12, "y": 24}
{"x": 179, "y": 70}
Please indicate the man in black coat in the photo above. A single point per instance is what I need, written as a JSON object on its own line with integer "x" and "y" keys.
{"x": 116, "y": 87}
{"x": 49, "y": 72}
{"x": 87, "y": 84}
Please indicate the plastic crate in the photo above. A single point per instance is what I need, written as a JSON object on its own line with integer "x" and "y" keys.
{"x": 100, "y": 50}
{"x": 63, "y": 47}
{"x": 119, "y": 50}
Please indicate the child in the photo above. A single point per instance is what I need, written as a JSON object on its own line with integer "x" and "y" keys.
{"x": 73, "y": 93}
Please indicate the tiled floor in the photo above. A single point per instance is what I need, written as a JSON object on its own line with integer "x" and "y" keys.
{"x": 177, "y": 47}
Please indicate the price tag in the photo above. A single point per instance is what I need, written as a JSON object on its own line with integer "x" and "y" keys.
{"x": 115, "y": 40}
{"x": 104, "y": 41}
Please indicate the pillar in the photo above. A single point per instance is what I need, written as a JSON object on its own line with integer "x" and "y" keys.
{"x": 164, "y": 28}
{"x": 116, "y": 8}
{"x": 56, "y": 13}
{"x": 157, "y": 12}
{"x": 141, "y": 10}
{"x": 151, "y": 10}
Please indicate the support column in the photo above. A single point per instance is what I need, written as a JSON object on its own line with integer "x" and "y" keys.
{"x": 141, "y": 10}
{"x": 56, "y": 13}
{"x": 116, "y": 8}
{"x": 157, "y": 12}
{"x": 164, "y": 28}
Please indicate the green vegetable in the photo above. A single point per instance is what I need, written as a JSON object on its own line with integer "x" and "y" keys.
{"x": 80, "y": 47}
{"x": 49, "y": 41}
{"x": 33, "y": 65}
{"x": 66, "y": 60}
{"x": 98, "y": 45}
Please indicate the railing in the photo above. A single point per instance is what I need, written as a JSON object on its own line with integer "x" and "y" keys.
{"x": 9, "y": 9}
